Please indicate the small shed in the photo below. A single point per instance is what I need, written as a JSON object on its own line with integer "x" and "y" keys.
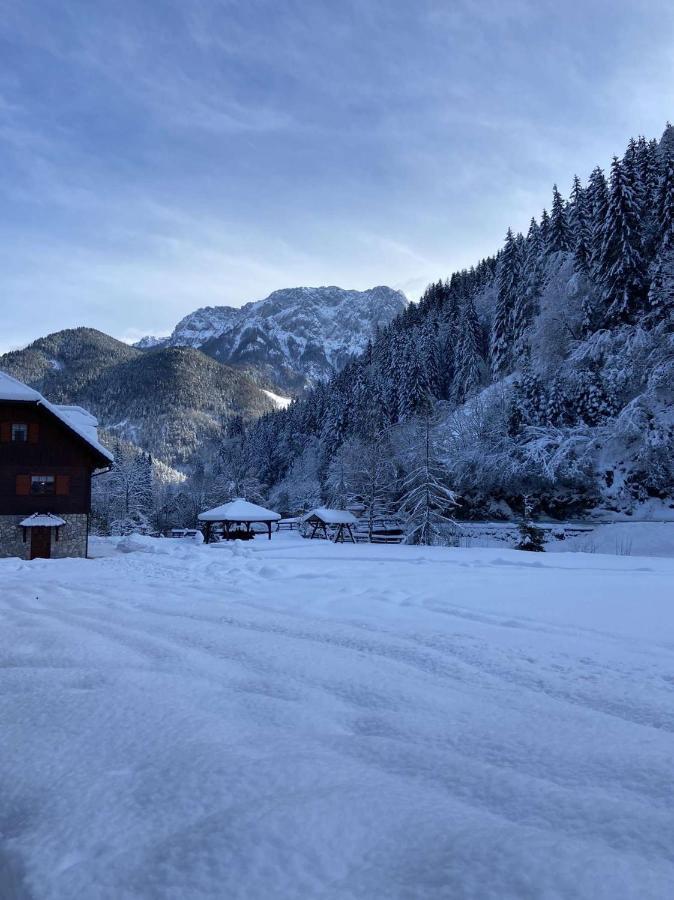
{"x": 337, "y": 522}
{"x": 237, "y": 518}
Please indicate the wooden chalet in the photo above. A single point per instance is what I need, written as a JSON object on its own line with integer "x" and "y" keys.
{"x": 48, "y": 455}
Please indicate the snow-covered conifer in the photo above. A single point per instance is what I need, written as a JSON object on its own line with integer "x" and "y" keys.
{"x": 508, "y": 283}
{"x": 597, "y": 197}
{"x": 470, "y": 364}
{"x": 414, "y": 394}
{"x": 558, "y": 232}
{"x": 427, "y": 500}
{"x": 545, "y": 229}
{"x": 621, "y": 267}
{"x": 579, "y": 227}
{"x": 665, "y": 199}
{"x": 661, "y": 292}
{"x": 528, "y": 289}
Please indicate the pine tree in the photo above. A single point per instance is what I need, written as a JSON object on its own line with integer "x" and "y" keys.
{"x": 665, "y": 199}
{"x": 579, "y": 227}
{"x": 649, "y": 176}
{"x": 413, "y": 389}
{"x": 621, "y": 266}
{"x": 428, "y": 345}
{"x": 661, "y": 292}
{"x": 594, "y": 405}
{"x": 632, "y": 166}
{"x": 528, "y": 290}
{"x": 597, "y": 195}
{"x": 426, "y": 498}
{"x": 532, "y": 538}
{"x": 545, "y": 229}
{"x": 338, "y": 482}
{"x": 470, "y": 365}
{"x": 667, "y": 141}
{"x": 533, "y": 394}
{"x": 597, "y": 208}
{"x": 144, "y": 495}
{"x": 360, "y": 399}
{"x": 558, "y": 234}
{"x": 556, "y": 408}
{"x": 501, "y": 333}
{"x": 529, "y": 403}
{"x": 448, "y": 336}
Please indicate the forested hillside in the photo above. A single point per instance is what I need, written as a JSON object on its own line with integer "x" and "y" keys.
{"x": 546, "y": 370}
{"x": 172, "y": 402}
{"x": 541, "y": 377}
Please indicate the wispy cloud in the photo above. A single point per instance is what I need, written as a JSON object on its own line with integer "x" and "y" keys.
{"x": 159, "y": 156}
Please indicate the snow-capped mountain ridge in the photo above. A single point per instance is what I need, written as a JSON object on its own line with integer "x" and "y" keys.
{"x": 296, "y": 335}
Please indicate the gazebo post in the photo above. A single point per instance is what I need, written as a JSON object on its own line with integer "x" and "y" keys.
{"x": 269, "y": 530}
{"x": 208, "y": 532}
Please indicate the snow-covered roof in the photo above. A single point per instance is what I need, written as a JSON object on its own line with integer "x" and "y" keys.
{"x": 332, "y": 516}
{"x": 77, "y": 419}
{"x": 42, "y": 520}
{"x": 239, "y": 510}
{"x": 12, "y": 389}
{"x": 81, "y": 418}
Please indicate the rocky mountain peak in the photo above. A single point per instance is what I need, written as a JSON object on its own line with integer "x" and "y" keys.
{"x": 296, "y": 336}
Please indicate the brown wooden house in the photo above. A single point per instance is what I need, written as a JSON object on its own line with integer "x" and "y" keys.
{"x": 48, "y": 455}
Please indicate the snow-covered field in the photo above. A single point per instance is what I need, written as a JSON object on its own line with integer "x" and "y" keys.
{"x": 618, "y": 538}
{"x": 295, "y": 719}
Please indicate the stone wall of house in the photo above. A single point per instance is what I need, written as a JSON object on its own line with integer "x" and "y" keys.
{"x": 11, "y": 537}
{"x": 72, "y": 537}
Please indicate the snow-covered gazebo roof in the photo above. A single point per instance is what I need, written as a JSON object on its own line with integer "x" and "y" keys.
{"x": 331, "y": 516}
{"x": 239, "y": 510}
{"x": 78, "y": 420}
{"x": 42, "y": 520}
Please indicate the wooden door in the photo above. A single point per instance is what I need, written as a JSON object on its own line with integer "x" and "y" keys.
{"x": 40, "y": 543}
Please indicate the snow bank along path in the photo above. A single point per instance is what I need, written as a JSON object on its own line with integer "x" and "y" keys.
{"x": 296, "y": 719}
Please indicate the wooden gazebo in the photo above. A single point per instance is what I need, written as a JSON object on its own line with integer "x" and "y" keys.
{"x": 329, "y": 521}
{"x": 237, "y": 518}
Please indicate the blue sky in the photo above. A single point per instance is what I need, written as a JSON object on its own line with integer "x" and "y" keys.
{"x": 157, "y": 156}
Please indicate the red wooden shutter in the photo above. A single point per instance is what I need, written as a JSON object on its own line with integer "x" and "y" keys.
{"x": 5, "y": 432}
{"x": 23, "y": 485}
{"x": 62, "y": 485}
{"x": 33, "y": 433}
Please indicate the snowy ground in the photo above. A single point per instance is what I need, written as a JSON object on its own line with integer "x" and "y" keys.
{"x": 618, "y": 538}
{"x": 295, "y": 719}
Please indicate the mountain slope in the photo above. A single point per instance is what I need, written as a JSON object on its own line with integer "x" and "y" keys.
{"x": 294, "y": 337}
{"x": 544, "y": 375}
{"x": 171, "y": 401}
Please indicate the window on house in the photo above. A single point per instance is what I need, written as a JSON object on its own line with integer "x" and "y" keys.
{"x": 19, "y": 433}
{"x": 42, "y": 484}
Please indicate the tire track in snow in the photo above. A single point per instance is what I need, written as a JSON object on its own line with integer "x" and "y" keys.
{"x": 432, "y": 659}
